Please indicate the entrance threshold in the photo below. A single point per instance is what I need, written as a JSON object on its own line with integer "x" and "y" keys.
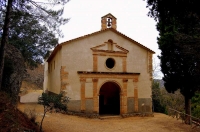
{"x": 109, "y": 116}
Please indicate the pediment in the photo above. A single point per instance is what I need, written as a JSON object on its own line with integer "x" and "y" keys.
{"x": 109, "y": 47}
{"x": 109, "y": 15}
{"x": 101, "y": 46}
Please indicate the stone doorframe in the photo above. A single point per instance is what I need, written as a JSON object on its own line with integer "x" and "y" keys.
{"x": 123, "y": 89}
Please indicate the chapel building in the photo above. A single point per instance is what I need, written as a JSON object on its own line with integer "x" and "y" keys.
{"x": 104, "y": 72}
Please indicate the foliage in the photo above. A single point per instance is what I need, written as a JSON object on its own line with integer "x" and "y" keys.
{"x": 53, "y": 103}
{"x": 162, "y": 100}
{"x": 196, "y": 105}
{"x": 48, "y": 13}
{"x": 178, "y": 26}
{"x": 164, "y": 9}
{"x": 33, "y": 39}
{"x": 156, "y": 97}
{"x": 172, "y": 100}
{"x": 178, "y": 41}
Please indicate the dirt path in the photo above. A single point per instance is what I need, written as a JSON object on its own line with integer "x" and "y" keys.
{"x": 56, "y": 122}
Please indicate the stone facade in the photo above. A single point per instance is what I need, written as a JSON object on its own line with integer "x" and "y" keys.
{"x": 104, "y": 72}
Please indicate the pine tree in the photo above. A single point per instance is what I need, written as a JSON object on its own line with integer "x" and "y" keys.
{"x": 45, "y": 12}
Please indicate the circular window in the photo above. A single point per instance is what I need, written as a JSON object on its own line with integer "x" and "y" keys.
{"x": 110, "y": 63}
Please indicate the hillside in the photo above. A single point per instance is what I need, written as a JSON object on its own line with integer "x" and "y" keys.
{"x": 13, "y": 120}
{"x": 33, "y": 79}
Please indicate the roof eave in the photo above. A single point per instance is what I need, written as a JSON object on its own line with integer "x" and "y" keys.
{"x": 54, "y": 52}
{"x": 114, "y": 30}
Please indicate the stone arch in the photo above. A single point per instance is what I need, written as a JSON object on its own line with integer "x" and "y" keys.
{"x": 109, "y": 98}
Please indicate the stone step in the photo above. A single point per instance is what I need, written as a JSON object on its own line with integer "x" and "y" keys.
{"x": 110, "y": 116}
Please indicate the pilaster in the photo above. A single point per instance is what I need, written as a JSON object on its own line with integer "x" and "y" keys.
{"x": 82, "y": 80}
{"x": 124, "y": 107}
{"x": 95, "y": 95}
{"x": 135, "y": 85}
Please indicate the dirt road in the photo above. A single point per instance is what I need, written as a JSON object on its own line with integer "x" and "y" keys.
{"x": 57, "y": 122}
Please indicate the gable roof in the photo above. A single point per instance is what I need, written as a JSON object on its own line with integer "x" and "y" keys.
{"x": 59, "y": 46}
{"x": 109, "y": 14}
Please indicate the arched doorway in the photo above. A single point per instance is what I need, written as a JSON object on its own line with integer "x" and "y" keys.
{"x": 109, "y": 99}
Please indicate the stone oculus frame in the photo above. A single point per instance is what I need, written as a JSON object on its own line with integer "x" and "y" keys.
{"x": 110, "y": 53}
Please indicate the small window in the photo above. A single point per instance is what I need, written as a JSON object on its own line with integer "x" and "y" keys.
{"x": 109, "y": 22}
{"x": 110, "y": 63}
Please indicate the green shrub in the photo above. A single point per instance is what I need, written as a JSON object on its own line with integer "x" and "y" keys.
{"x": 196, "y": 105}
{"x": 53, "y": 103}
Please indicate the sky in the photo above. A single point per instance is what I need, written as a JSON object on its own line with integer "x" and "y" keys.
{"x": 132, "y": 20}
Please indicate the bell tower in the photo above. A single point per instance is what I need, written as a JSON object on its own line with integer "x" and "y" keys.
{"x": 108, "y": 21}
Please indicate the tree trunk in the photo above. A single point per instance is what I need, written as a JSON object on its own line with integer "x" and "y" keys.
{"x": 188, "y": 110}
{"x": 45, "y": 111}
{"x": 4, "y": 39}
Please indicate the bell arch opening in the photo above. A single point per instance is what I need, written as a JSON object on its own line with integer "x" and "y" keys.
{"x": 109, "y": 99}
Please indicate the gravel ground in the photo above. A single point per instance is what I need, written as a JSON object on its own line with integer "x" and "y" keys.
{"x": 57, "y": 122}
